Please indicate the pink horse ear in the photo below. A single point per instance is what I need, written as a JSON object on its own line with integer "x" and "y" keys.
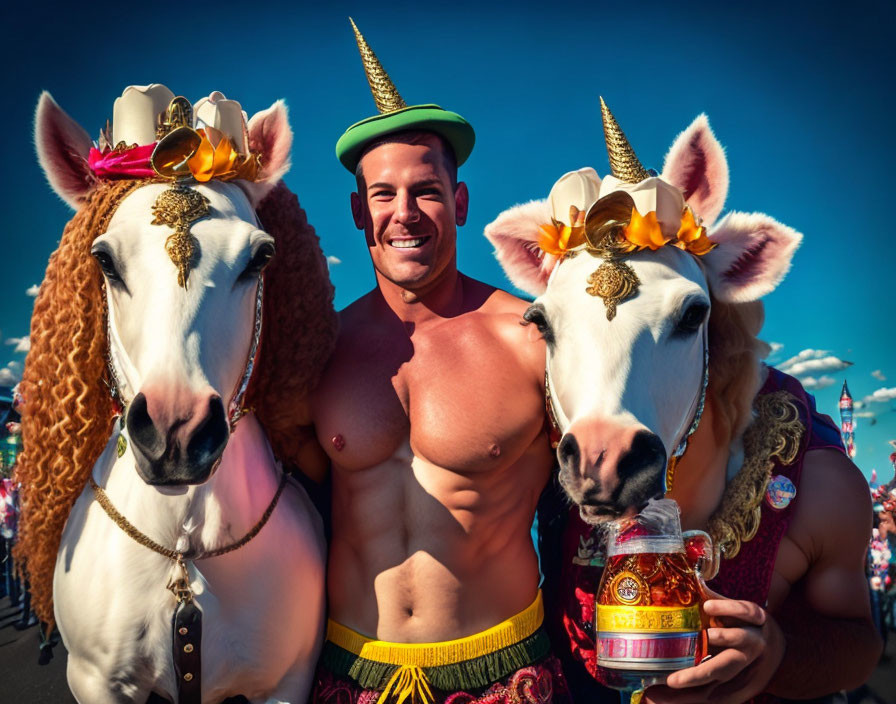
{"x": 696, "y": 165}
{"x": 752, "y": 257}
{"x": 514, "y": 233}
{"x": 62, "y": 148}
{"x": 271, "y": 136}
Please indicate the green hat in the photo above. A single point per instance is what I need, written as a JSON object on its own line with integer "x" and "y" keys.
{"x": 396, "y": 116}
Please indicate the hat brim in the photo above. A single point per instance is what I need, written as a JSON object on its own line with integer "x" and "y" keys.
{"x": 426, "y": 118}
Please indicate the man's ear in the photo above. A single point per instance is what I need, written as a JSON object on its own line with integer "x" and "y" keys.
{"x": 357, "y": 210}
{"x": 461, "y": 204}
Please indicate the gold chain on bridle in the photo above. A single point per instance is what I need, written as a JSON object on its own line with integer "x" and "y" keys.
{"x": 178, "y": 557}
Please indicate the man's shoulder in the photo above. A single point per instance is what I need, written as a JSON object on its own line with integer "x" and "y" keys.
{"x": 833, "y": 510}
{"x": 501, "y": 302}
{"x": 360, "y": 316}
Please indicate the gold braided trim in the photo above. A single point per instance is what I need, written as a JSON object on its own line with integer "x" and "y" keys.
{"x": 648, "y": 619}
{"x": 776, "y": 432}
{"x": 503, "y": 635}
{"x": 103, "y": 500}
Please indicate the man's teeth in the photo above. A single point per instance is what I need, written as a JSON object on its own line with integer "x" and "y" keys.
{"x": 416, "y": 242}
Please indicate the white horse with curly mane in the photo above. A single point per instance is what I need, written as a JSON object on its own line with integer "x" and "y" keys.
{"x": 190, "y": 568}
{"x": 623, "y": 299}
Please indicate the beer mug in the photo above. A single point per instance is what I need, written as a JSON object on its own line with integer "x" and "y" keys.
{"x": 648, "y": 616}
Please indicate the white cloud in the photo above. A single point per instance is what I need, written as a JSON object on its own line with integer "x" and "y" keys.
{"x": 32, "y": 290}
{"x": 23, "y": 344}
{"x": 881, "y": 396}
{"x": 820, "y": 364}
{"x": 879, "y": 375}
{"x": 11, "y": 374}
{"x": 803, "y": 356}
{"x": 775, "y": 347}
{"x": 333, "y": 261}
{"x": 864, "y": 414}
{"x": 822, "y": 382}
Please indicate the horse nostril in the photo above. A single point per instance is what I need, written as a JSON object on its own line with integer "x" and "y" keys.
{"x": 568, "y": 453}
{"x": 142, "y": 431}
{"x": 208, "y": 440}
{"x": 646, "y": 451}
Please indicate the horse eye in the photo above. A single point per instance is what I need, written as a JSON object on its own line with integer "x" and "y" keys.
{"x": 535, "y": 315}
{"x": 258, "y": 261}
{"x": 691, "y": 320}
{"x": 107, "y": 264}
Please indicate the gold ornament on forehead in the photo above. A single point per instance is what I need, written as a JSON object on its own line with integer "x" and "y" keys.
{"x": 180, "y": 207}
{"x": 614, "y": 281}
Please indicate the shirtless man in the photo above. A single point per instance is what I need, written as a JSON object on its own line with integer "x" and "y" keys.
{"x": 431, "y": 412}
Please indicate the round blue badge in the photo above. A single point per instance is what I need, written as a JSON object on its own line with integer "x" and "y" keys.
{"x": 780, "y": 492}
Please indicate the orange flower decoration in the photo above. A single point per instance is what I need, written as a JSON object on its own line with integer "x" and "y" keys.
{"x": 558, "y": 239}
{"x": 222, "y": 162}
{"x": 692, "y": 237}
{"x": 644, "y": 231}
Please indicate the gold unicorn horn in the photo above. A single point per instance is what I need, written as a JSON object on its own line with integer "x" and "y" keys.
{"x": 385, "y": 94}
{"x": 624, "y": 165}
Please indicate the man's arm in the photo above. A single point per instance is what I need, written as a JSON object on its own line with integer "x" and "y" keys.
{"x": 294, "y": 434}
{"x": 821, "y": 639}
{"x": 831, "y": 641}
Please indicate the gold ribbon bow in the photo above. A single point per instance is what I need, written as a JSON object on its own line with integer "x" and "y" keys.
{"x": 222, "y": 162}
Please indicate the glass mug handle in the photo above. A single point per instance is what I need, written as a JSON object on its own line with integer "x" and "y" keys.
{"x": 701, "y": 554}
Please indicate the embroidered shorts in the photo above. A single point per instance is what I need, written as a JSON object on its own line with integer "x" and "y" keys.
{"x": 508, "y": 664}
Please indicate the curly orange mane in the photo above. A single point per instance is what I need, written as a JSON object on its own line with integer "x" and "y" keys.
{"x": 299, "y": 323}
{"x": 68, "y": 412}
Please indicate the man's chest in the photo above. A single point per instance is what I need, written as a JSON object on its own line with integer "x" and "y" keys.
{"x": 459, "y": 392}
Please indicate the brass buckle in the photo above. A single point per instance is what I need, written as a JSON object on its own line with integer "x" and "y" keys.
{"x": 181, "y": 587}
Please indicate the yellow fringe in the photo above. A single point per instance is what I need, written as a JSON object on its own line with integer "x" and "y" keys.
{"x": 418, "y": 655}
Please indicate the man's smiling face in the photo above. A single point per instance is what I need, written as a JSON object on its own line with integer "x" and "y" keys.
{"x": 409, "y": 208}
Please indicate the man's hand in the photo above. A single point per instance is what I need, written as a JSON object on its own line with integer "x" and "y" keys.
{"x": 746, "y": 647}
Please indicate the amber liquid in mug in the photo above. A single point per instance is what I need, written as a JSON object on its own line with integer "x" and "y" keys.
{"x": 648, "y": 618}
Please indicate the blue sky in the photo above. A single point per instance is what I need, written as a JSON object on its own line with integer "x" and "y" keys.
{"x": 800, "y": 94}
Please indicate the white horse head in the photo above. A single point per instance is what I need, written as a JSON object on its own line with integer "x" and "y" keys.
{"x": 157, "y": 290}
{"x": 178, "y": 353}
{"x": 626, "y": 391}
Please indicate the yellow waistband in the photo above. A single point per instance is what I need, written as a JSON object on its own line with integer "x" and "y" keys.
{"x": 448, "y": 652}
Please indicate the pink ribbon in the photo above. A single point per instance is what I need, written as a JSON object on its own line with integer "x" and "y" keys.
{"x": 125, "y": 163}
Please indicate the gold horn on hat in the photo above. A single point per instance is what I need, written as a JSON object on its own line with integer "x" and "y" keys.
{"x": 385, "y": 94}
{"x": 624, "y": 165}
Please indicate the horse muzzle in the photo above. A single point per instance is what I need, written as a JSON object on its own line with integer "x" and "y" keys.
{"x": 610, "y": 471}
{"x": 174, "y": 446}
